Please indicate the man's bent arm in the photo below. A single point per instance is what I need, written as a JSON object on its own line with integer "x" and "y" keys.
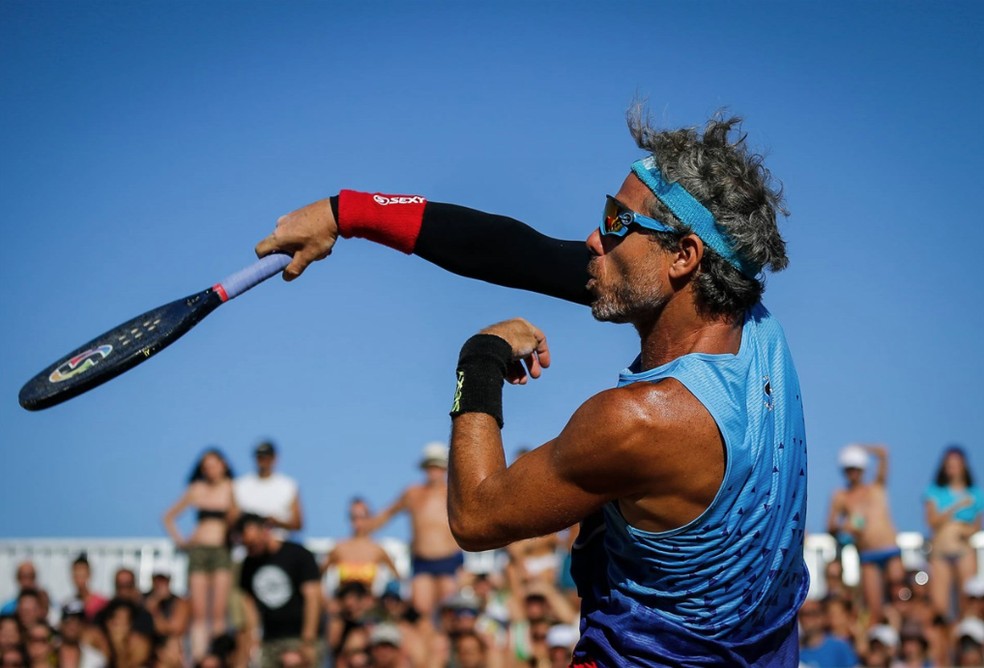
{"x": 503, "y": 251}
{"x": 492, "y": 248}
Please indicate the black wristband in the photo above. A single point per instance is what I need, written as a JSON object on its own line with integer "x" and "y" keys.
{"x": 481, "y": 370}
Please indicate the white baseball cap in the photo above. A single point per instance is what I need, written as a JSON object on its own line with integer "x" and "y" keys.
{"x": 884, "y": 634}
{"x": 974, "y": 587}
{"x": 972, "y": 628}
{"x": 435, "y": 454}
{"x": 562, "y": 635}
{"x": 853, "y": 457}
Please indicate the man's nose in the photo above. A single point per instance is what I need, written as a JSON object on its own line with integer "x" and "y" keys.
{"x": 593, "y": 242}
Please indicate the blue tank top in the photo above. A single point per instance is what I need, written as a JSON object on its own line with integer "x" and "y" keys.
{"x": 724, "y": 589}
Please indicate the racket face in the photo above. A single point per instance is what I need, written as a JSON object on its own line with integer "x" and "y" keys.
{"x": 116, "y": 351}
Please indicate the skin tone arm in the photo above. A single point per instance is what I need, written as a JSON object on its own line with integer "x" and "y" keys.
{"x": 835, "y": 519}
{"x": 387, "y": 561}
{"x": 376, "y": 522}
{"x": 311, "y": 592}
{"x": 604, "y": 453}
{"x": 233, "y": 515}
{"x": 172, "y": 514}
{"x": 881, "y": 454}
{"x": 251, "y": 626}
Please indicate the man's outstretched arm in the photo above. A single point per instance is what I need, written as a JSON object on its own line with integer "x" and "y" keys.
{"x": 488, "y": 247}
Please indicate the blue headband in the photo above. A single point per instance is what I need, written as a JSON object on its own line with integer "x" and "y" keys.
{"x": 691, "y": 213}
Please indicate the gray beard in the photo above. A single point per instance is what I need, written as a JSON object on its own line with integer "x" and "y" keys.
{"x": 628, "y": 304}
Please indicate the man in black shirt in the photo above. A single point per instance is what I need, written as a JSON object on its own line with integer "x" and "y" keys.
{"x": 281, "y": 585}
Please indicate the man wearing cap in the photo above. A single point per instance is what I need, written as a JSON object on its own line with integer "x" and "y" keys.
{"x": 973, "y": 591}
{"x": 435, "y": 556}
{"x": 385, "y": 647}
{"x": 861, "y": 511}
{"x": 969, "y": 635}
{"x": 269, "y": 493}
{"x": 689, "y": 477}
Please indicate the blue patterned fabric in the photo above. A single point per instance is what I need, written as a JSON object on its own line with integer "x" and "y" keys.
{"x": 724, "y": 589}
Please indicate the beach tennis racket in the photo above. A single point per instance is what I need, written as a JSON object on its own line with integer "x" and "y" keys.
{"x": 138, "y": 339}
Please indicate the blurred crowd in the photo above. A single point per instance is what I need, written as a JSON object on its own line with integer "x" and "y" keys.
{"x": 255, "y": 597}
{"x": 895, "y": 616}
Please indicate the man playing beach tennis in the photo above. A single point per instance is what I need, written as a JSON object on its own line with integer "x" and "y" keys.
{"x": 689, "y": 477}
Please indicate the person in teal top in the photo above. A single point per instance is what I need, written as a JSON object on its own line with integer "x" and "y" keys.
{"x": 954, "y": 507}
{"x": 689, "y": 478}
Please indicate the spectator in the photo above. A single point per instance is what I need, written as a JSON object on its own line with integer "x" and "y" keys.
{"x": 954, "y": 506}
{"x": 910, "y": 609}
{"x": 819, "y": 648}
{"x": 469, "y": 650}
{"x": 74, "y": 648}
{"x": 861, "y": 510}
{"x": 842, "y": 618}
{"x": 541, "y": 607}
{"x": 30, "y": 610}
{"x": 118, "y": 640}
{"x": 282, "y": 590}
{"x": 974, "y": 596}
{"x": 350, "y": 610}
{"x": 393, "y": 609}
{"x": 27, "y": 578}
{"x": 354, "y": 651}
{"x": 358, "y": 558}
{"x": 882, "y": 644}
{"x": 913, "y": 648}
{"x": 168, "y": 652}
{"x": 125, "y": 583}
{"x": 81, "y": 574}
{"x": 385, "y": 647}
{"x": 210, "y": 491}
{"x": 561, "y": 639}
{"x": 457, "y": 614}
{"x": 13, "y": 658}
{"x": 10, "y": 633}
{"x": 268, "y": 493}
{"x": 170, "y": 612}
{"x": 40, "y": 646}
{"x": 436, "y": 557}
{"x": 970, "y": 642}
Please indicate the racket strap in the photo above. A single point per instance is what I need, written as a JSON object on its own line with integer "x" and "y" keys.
{"x": 391, "y": 220}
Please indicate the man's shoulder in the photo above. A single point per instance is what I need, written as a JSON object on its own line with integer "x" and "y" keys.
{"x": 663, "y": 405}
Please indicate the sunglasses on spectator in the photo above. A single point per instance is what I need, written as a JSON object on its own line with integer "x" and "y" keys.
{"x": 617, "y": 217}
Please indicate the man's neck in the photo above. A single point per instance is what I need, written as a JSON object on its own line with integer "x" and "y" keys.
{"x": 678, "y": 329}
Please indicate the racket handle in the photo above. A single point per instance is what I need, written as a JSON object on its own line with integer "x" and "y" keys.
{"x": 244, "y": 279}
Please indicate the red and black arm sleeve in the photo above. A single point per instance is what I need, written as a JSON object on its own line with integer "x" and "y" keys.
{"x": 467, "y": 242}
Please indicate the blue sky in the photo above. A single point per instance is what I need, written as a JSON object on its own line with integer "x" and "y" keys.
{"x": 145, "y": 147}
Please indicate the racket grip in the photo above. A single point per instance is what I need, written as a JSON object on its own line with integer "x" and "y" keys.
{"x": 259, "y": 271}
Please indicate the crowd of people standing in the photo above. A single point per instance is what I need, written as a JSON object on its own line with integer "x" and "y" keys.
{"x": 275, "y": 605}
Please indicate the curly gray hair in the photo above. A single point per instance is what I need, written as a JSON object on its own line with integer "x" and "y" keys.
{"x": 736, "y": 187}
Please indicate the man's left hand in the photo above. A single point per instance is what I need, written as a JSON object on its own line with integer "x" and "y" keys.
{"x": 529, "y": 347}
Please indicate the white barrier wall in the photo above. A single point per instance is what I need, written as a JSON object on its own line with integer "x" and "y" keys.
{"x": 53, "y": 559}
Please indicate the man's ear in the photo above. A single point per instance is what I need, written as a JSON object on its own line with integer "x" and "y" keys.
{"x": 686, "y": 259}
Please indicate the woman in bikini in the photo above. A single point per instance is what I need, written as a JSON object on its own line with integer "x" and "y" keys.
{"x": 209, "y": 564}
{"x": 954, "y": 507}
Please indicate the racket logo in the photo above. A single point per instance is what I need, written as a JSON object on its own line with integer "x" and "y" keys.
{"x": 80, "y": 363}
